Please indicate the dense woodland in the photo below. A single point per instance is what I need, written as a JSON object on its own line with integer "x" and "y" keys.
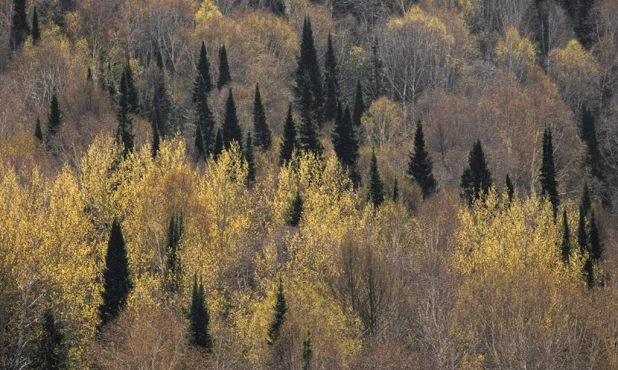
{"x": 296, "y": 184}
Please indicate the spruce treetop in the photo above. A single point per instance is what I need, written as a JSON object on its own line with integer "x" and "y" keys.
{"x": 420, "y": 167}
{"x": 289, "y": 143}
{"x": 230, "y": 128}
{"x": 263, "y": 136}
{"x": 224, "y": 69}
{"x": 375, "y": 186}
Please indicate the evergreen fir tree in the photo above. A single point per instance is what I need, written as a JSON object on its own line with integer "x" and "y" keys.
{"x": 89, "y": 75}
{"x": 588, "y": 134}
{"x": 308, "y": 90}
{"x": 51, "y": 350}
{"x": 377, "y": 73}
{"x": 199, "y": 142}
{"x": 476, "y": 178}
{"x": 589, "y": 272}
{"x": 111, "y": 86}
{"x": 36, "y": 32}
{"x": 375, "y": 186}
{"x": 510, "y": 189}
{"x": 359, "y": 105}
{"x": 159, "y": 59}
{"x": 54, "y": 119}
{"x": 124, "y": 134}
{"x": 596, "y": 248}
{"x": 420, "y": 168}
{"x": 289, "y": 143}
{"x": 132, "y": 94}
{"x": 161, "y": 105}
{"x": 263, "y": 139}
{"x": 38, "y": 132}
{"x": 249, "y": 158}
{"x": 549, "y": 185}
{"x": 582, "y": 237}
{"x": 199, "y": 328}
{"x": 218, "y": 145}
{"x": 279, "y": 316}
{"x": 173, "y": 266}
{"x": 344, "y": 140}
{"x": 586, "y": 200}
{"x": 203, "y": 73}
{"x": 230, "y": 128}
{"x": 116, "y": 278}
{"x": 307, "y": 351}
{"x": 224, "y": 69}
{"x": 565, "y": 248}
{"x": 295, "y": 211}
{"x": 156, "y": 139}
{"x": 330, "y": 81}
{"x": 205, "y": 120}
{"x": 19, "y": 25}
{"x": 395, "y": 191}
{"x": 308, "y": 136}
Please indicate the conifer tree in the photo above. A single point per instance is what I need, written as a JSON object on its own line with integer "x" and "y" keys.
{"x": 375, "y": 186}
{"x": 582, "y": 237}
{"x": 132, "y": 94}
{"x": 377, "y": 73}
{"x": 476, "y": 178}
{"x": 330, "y": 81}
{"x": 36, "y": 32}
{"x": 295, "y": 210}
{"x": 199, "y": 328}
{"x": 117, "y": 282}
{"x": 199, "y": 142}
{"x": 89, "y": 75}
{"x": 159, "y": 59}
{"x": 249, "y": 158}
{"x": 589, "y": 272}
{"x": 111, "y": 86}
{"x": 224, "y": 69}
{"x": 156, "y": 139}
{"x": 279, "y": 316}
{"x": 588, "y": 134}
{"x": 263, "y": 139}
{"x": 308, "y": 90}
{"x": 420, "y": 168}
{"x": 205, "y": 121}
{"x": 124, "y": 134}
{"x": 218, "y": 149}
{"x": 307, "y": 351}
{"x": 359, "y": 105}
{"x": 596, "y": 248}
{"x": 173, "y": 266}
{"x": 161, "y": 105}
{"x": 565, "y": 248}
{"x": 203, "y": 73}
{"x": 19, "y": 25}
{"x": 54, "y": 119}
{"x": 586, "y": 200}
{"x": 51, "y": 349}
{"x": 395, "y": 191}
{"x": 289, "y": 143}
{"x": 308, "y": 136}
{"x": 344, "y": 140}
{"x": 38, "y": 132}
{"x": 510, "y": 189}
{"x": 230, "y": 129}
{"x": 549, "y": 185}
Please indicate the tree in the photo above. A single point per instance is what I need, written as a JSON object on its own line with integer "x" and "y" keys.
{"x": 565, "y": 248}
{"x": 330, "y": 81}
{"x": 224, "y": 69}
{"x": 205, "y": 121}
{"x": 54, "y": 119}
{"x": 263, "y": 134}
{"x": 549, "y": 185}
{"x": 375, "y": 187}
{"x": 308, "y": 136}
{"x": 295, "y": 210}
{"x": 344, "y": 140}
{"x": 582, "y": 237}
{"x": 249, "y": 158}
{"x": 420, "y": 167}
{"x": 19, "y": 25}
{"x": 377, "y": 73}
{"x": 159, "y": 59}
{"x": 51, "y": 350}
{"x": 203, "y": 73}
{"x": 595, "y": 247}
{"x": 36, "y": 32}
{"x": 359, "y": 105}
{"x": 156, "y": 139}
{"x": 279, "y": 316}
{"x": 476, "y": 178}
{"x": 199, "y": 142}
{"x": 124, "y": 134}
{"x": 38, "y": 132}
{"x": 199, "y": 328}
{"x": 131, "y": 90}
{"x": 230, "y": 129}
{"x": 289, "y": 142}
{"x": 161, "y": 105}
{"x": 308, "y": 90}
{"x": 89, "y": 75}
{"x": 218, "y": 149}
{"x": 117, "y": 282}
{"x": 586, "y": 200}
{"x": 589, "y": 135}
{"x": 307, "y": 351}
{"x": 173, "y": 266}
{"x": 395, "y": 191}
{"x": 510, "y": 189}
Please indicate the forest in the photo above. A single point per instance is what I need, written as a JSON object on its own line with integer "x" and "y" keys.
{"x": 308, "y": 184}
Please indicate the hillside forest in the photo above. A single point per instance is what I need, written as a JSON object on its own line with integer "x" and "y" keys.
{"x": 308, "y": 184}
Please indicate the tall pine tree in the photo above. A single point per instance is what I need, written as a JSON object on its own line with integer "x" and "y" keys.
{"x": 420, "y": 168}
{"x": 54, "y": 119}
{"x": 595, "y": 247}
{"x": 565, "y": 248}
{"x": 132, "y": 95}
{"x": 375, "y": 186}
{"x": 203, "y": 73}
{"x": 19, "y": 24}
{"x": 510, "y": 189}
{"x": 549, "y": 185}
{"x": 36, "y": 32}
{"x": 344, "y": 140}
{"x": 173, "y": 267}
{"x": 230, "y": 129}
{"x": 476, "y": 178}
{"x": 117, "y": 282}
{"x": 582, "y": 235}
{"x": 279, "y": 316}
{"x": 309, "y": 140}
{"x": 124, "y": 134}
{"x": 290, "y": 141}
{"x": 295, "y": 210}
{"x": 248, "y": 153}
{"x": 156, "y": 139}
{"x": 51, "y": 350}
{"x": 359, "y": 105}
{"x": 161, "y": 104}
{"x": 38, "y": 131}
{"x": 199, "y": 318}
{"x": 377, "y": 73}
{"x": 588, "y": 134}
{"x": 205, "y": 121}
{"x": 330, "y": 81}
{"x": 224, "y": 69}
{"x": 218, "y": 145}
{"x": 263, "y": 135}
{"x": 308, "y": 90}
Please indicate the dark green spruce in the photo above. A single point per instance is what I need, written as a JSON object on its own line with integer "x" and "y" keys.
{"x": 51, "y": 350}
{"x": 131, "y": 91}
{"x": 344, "y": 140}
{"x": 307, "y": 351}
{"x": 588, "y": 134}
{"x": 308, "y": 90}
{"x": 230, "y": 129}
{"x": 199, "y": 318}
{"x": 510, "y": 189}
{"x": 582, "y": 235}
{"x": 420, "y": 167}
{"x": 38, "y": 131}
{"x": 375, "y": 186}
{"x": 330, "y": 81}
{"x": 549, "y": 185}
{"x": 279, "y": 316}
{"x": 203, "y": 73}
{"x": 295, "y": 210}
{"x": 224, "y": 69}
{"x": 124, "y": 134}
{"x": 359, "y": 105}
{"x": 218, "y": 145}
{"x": 263, "y": 135}
{"x": 395, "y": 191}
{"x": 565, "y": 248}
{"x": 248, "y": 153}
{"x": 19, "y": 25}
{"x": 54, "y": 119}
{"x": 173, "y": 266}
{"x": 290, "y": 141}
{"x": 476, "y": 179}
{"x": 205, "y": 121}
{"x": 595, "y": 247}
{"x": 156, "y": 139}
{"x": 36, "y": 32}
